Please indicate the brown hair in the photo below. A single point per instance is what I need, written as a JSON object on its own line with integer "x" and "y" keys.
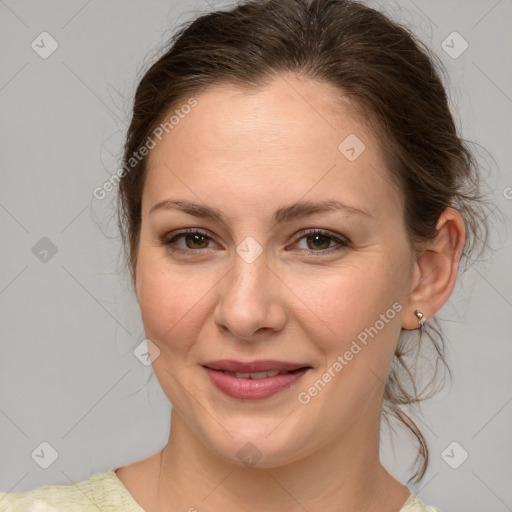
{"x": 391, "y": 77}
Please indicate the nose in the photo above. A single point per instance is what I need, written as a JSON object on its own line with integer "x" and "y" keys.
{"x": 250, "y": 301}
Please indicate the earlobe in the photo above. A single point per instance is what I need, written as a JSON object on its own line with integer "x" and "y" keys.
{"x": 436, "y": 269}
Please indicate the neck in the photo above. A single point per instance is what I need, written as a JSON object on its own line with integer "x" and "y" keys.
{"x": 344, "y": 475}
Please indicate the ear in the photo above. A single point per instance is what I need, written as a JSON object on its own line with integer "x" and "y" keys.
{"x": 435, "y": 269}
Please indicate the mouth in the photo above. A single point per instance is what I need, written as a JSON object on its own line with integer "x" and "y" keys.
{"x": 256, "y": 375}
{"x": 254, "y": 380}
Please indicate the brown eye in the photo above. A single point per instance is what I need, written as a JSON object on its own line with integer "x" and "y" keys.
{"x": 318, "y": 242}
{"x": 191, "y": 241}
{"x": 196, "y": 241}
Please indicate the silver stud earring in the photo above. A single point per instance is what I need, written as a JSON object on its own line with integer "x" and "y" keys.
{"x": 421, "y": 319}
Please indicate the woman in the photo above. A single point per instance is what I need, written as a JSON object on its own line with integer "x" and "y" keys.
{"x": 295, "y": 202}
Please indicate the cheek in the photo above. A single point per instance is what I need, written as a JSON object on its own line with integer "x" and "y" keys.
{"x": 355, "y": 326}
{"x": 172, "y": 304}
{"x": 340, "y": 305}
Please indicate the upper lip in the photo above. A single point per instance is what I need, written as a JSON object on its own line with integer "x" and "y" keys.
{"x": 266, "y": 365}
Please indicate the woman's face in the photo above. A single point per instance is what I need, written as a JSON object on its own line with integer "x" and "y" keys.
{"x": 254, "y": 284}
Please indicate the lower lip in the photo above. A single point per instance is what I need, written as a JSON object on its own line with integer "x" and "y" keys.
{"x": 253, "y": 389}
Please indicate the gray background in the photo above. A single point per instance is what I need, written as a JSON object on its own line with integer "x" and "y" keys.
{"x": 68, "y": 374}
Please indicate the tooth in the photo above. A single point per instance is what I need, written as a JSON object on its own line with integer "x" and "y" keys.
{"x": 254, "y": 375}
{"x": 258, "y": 375}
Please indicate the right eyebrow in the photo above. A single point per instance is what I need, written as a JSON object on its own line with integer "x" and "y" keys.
{"x": 196, "y": 209}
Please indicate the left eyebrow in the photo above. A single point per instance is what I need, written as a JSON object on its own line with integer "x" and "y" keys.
{"x": 305, "y": 208}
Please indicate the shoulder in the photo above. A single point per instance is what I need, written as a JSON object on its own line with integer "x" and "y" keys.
{"x": 414, "y": 504}
{"x": 102, "y": 491}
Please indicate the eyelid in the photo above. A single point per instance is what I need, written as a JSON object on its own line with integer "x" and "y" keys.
{"x": 320, "y": 231}
{"x": 171, "y": 237}
{"x": 342, "y": 241}
{"x": 184, "y": 231}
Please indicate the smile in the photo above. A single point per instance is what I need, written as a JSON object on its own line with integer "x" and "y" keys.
{"x": 229, "y": 377}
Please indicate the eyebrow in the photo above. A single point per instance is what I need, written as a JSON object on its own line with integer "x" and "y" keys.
{"x": 284, "y": 214}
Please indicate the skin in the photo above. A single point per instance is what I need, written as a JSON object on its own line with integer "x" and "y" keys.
{"x": 248, "y": 155}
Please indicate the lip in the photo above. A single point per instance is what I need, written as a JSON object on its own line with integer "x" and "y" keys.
{"x": 262, "y": 365}
{"x": 253, "y": 389}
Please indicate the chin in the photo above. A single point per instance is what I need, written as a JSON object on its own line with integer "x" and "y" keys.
{"x": 261, "y": 445}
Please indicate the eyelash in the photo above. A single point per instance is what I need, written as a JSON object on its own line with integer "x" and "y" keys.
{"x": 342, "y": 242}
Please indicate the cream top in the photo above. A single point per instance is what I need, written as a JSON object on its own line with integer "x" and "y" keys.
{"x": 106, "y": 493}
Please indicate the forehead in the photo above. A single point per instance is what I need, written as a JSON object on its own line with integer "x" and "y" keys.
{"x": 292, "y": 137}
{"x": 287, "y": 113}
